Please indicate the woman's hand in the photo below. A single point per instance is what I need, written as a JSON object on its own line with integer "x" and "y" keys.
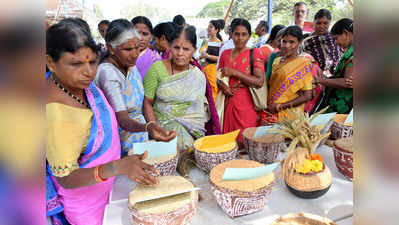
{"x": 272, "y": 108}
{"x": 228, "y": 72}
{"x": 159, "y": 133}
{"x": 226, "y": 90}
{"x": 204, "y": 55}
{"x": 349, "y": 81}
{"x": 135, "y": 169}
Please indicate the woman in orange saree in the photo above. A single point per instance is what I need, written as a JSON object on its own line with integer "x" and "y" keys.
{"x": 290, "y": 85}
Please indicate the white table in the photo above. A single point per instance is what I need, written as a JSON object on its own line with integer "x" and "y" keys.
{"x": 336, "y": 203}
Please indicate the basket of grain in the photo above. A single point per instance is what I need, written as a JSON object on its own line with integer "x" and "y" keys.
{"x": 240, "y": 197}
{"x": 340, "y": 129}
{"x": 212, "y": 150}
{"x": 264, "y": 149}
{"x": 302, "y": 219}
{"x": 343, "y": 155}
{"x": 176, "y": 209}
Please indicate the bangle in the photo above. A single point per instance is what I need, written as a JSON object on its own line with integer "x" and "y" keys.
{"x": 148, "y": 124}
{"x": 97, "y": 176}
{"x": 278, "y": 107}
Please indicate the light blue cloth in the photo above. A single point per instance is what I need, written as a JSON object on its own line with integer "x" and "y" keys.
{"x": 124, "y": 93}
{"x": 248, "y": 173}
{"x": 155, "y": 148}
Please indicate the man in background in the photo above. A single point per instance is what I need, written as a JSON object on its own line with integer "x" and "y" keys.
{"x": 300, "y": 14}
{"x": 262, "y": 31}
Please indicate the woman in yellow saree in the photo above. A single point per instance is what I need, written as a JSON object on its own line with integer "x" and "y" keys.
{"x": 290, "y": 86}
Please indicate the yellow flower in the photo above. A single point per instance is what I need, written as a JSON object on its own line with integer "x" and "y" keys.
{"x": 317, "y": 166}
{"x": 305, "y": 167}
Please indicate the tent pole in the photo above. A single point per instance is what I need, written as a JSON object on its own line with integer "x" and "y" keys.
{"x": 269, "y": 14}
{"x": 228, "y": 10}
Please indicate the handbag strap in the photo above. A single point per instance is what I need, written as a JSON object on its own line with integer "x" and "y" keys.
{"x": 251, "y": 60}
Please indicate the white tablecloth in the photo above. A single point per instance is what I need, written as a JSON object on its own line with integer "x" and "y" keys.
{"x": 336, "y": 203}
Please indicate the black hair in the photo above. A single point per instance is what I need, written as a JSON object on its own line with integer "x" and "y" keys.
{"x": 67, "y": 36}
{"x": 144, "y": 20}
{"x": 240, "y": 21}
{"x": 323, "y": 13}
{"x": 105, "y": 22}
{"x": 166, "y": 29}
{"x": 274, "y": 32}
{"x": 294, "y": 31}
{"x": 190, "y": 34}
{"x": 264, "y": 25}
{"x": 219, "y": 25}
{"x": 179, "y": 20}
{"x": 78, "y": 21}
{"x": 341, "y": 25}
{"x": 299, "y": 4}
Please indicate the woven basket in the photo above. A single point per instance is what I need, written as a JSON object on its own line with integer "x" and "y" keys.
{"x": 303, "y": 218}
{"x": 339, "y": 129}
{"x": 206, "y": 161}
{"x": 238, "y": 203}
{"x": 234, "y": 200}
{"x": 264, "y": 152}
{"x": 343, "y": 158}
{"x": 166, "y": 168}
{"x": 181, "y": 216}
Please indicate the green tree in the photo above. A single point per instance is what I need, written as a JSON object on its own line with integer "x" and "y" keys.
{"x": 142, "y": 9}
{"x": 215, "y": 9}
{"x": 282, "y": 9}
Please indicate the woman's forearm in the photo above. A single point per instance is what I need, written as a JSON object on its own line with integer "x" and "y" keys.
{"x": 128, "y": 124}
{"x": 338, "y": 83}
{"x": 255, "y": 80}
{"x": 213, "y": 58}
{"x": 148, "y": 110}
{"x": 303, "y": 98}
{"x": 83, "y": 177}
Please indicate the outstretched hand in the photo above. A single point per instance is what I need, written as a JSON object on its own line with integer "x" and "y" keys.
{"x": 135, "y": 169}
{"x": 160, "y": 134}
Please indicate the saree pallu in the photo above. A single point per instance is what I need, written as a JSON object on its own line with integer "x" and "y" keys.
{"x": 86, "y": 205}
{"x": 212, "y": 127}
{"x": 287, "y": 80}
{"x": 179, "y": 106}
{"x": 133, "y": 96}
{"x": 311, "y": 105}
{"x": 145, "y": 60}
{"x": 324, "y": 50}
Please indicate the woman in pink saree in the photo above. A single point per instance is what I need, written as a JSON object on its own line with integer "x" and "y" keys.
{"x": 82, "y": 142}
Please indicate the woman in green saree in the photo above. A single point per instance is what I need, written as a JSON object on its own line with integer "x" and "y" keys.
{"x": 175, "y": 91}
{"x": 339, "y": 88}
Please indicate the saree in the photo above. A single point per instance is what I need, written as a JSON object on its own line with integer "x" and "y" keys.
{"x": 212, "y": 127}
{"x": 179, "y": 102}
{"x": 210, "y": 68}
{"x": 239, "y": 110}
{"x": 311, "y": 105}
{"x": 145, "y": 60}
{"x": 85, "y": 205}
{"x": 124, "y": 93}
{"x": 340, "y": 100}
{"x": 324, "y": 51}
{"x": 288, "y": 78}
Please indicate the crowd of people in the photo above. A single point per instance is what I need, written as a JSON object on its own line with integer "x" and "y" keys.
{"x": 145, "y": 83}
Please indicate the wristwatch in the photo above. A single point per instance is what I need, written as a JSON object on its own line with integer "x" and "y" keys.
{"x": 218, "y": 82}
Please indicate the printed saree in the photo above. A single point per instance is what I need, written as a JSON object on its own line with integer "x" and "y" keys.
{"x": 288, "y": 78}
{"x": 179, "y": 106}
{"x": 86, "y": 205}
